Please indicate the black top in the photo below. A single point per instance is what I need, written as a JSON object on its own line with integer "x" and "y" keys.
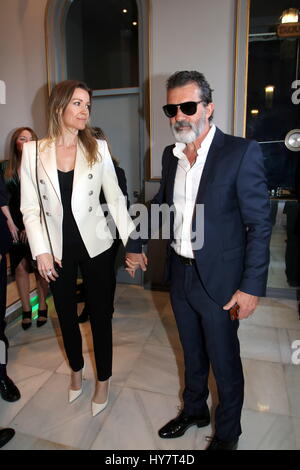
{"x": 13, "y": 190}
{"x": 5, "y": 237}
{"x": 71, "y": 234}
{"x": 3, "y": 192}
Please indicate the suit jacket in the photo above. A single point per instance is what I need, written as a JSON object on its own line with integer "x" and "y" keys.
{"x": 86, "y": 207}
{"x": 237, "y": 224}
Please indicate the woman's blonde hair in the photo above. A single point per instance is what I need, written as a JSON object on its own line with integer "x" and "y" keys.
{"x": 14, "y": 157}
{"x": 59, "y": 99}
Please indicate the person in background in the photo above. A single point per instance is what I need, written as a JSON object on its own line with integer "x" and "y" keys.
{"x": 8, "y": 390}
{"x": 6, "y": 434}
{"x": 20, "y": 254}
{"x": 83, "y": 317}
{"x": 72, "y": 168}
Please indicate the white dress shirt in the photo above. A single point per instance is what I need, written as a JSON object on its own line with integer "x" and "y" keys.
{"x": 186, "y": 187}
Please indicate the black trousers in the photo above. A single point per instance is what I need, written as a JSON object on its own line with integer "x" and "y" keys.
{"x": 3, "y": 285}
{"x": 96, "y": 274}
{"x": 208, "y": 336}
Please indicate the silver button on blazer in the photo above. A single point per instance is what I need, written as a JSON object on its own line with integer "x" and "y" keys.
{"x": 92, "y": 222}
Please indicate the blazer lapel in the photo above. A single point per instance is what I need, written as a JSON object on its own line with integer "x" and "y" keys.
{"x": 209, "y": 168}
{"x": 171, "y": 178}
{"x": 211, "y": 161}
{"x": 47, "y": 157}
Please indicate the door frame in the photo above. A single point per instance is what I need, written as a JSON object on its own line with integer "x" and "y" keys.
{"x": 55, "y": 21}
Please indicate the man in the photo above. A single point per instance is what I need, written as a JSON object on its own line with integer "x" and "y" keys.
{"x": 8, "y": 390}
{"x": 229, "y": 270}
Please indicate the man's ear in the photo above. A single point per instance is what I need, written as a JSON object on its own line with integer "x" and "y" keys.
{"x": 209, "y": 109}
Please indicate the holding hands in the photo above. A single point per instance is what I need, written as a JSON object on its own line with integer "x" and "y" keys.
{"x": 135, "y": 261}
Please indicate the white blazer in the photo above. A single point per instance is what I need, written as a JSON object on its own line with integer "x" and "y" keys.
{"x": 86, "y": 207}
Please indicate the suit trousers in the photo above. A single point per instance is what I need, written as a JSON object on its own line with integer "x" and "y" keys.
{"x": 208, "y": 336}
{"x": 96, "y": 275}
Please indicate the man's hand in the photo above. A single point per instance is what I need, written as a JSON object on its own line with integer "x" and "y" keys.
{"x": 135, "y": 261}
{"x": 246, "y": 302}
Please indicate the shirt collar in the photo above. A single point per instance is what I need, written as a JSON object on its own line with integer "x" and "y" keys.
{"x": 179, "y": 146}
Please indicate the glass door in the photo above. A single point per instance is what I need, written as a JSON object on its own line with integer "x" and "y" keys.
{"x": 273, "y": 112}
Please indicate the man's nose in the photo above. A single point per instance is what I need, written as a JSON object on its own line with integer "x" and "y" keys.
{"x": 180, "y": 115}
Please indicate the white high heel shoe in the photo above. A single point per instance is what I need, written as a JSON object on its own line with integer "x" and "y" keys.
{"x": 73, "y": 394}
{"x": 97, "y": 407}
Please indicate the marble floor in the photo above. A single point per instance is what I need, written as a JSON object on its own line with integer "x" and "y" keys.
{"x": 147, "y": 381}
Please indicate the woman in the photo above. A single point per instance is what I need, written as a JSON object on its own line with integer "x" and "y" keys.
{"x": 8, "y": 390}
{"x": 20, "y": 255}
{"x": 72, "y": 168}
{"x": 83, "y": 317}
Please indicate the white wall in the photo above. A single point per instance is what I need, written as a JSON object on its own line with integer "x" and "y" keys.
{"x": 191, "y": 35}
{"x": 22, "y": 67}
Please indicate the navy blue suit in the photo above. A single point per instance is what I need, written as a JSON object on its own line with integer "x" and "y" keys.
{"x": 235, "y": 255}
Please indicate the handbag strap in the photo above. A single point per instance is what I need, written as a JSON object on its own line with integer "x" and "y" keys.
{"x": 40, "y": 198}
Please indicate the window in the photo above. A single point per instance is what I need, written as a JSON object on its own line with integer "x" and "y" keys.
{"x": 102, "y": 43}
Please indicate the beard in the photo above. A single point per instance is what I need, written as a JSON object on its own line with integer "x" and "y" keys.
{"x": 190, "y": 135}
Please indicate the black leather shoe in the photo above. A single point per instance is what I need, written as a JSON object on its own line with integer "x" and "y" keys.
{"x": 6, "y": 435}
{"x": 8, "y": 390}
{"x": 84, "y": 316}
{"x": 177, "y": 426}
{"x": 217, "y": 444}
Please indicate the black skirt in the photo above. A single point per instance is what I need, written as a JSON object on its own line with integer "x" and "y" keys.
{"x": 18, "y": 252}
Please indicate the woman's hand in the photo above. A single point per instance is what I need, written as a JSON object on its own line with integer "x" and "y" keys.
{"x": 13, "y": 230}
{"x": 23, "y": 236}
{"x": 135, "y": 261}
{"x": 46, "y": 266}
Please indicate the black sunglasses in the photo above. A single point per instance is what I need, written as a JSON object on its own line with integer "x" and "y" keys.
{"x": 189, "y": 108}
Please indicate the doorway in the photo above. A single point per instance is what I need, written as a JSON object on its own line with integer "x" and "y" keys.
{"x": 105, "y": 44}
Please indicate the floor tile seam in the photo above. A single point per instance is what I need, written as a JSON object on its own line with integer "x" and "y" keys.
{"x": 132, "y": 387}
{"x": 31, "y": 376}
{"x": 153, "y": 343}
{"x": 108, "y": 412}
{"x": 34, "y": 342}
{"x": 243, "y": 356}
{"x": 268, "y": 326}
{"x": 33, "y": 396}
{"x": 249, "y": 408}
{"x": 44, "y": 440}
{"x": 139, "y": 356}
{"x": 264, "y": 360}
{"x": 287, "y": 388}
{"x": 135, "y": 362}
